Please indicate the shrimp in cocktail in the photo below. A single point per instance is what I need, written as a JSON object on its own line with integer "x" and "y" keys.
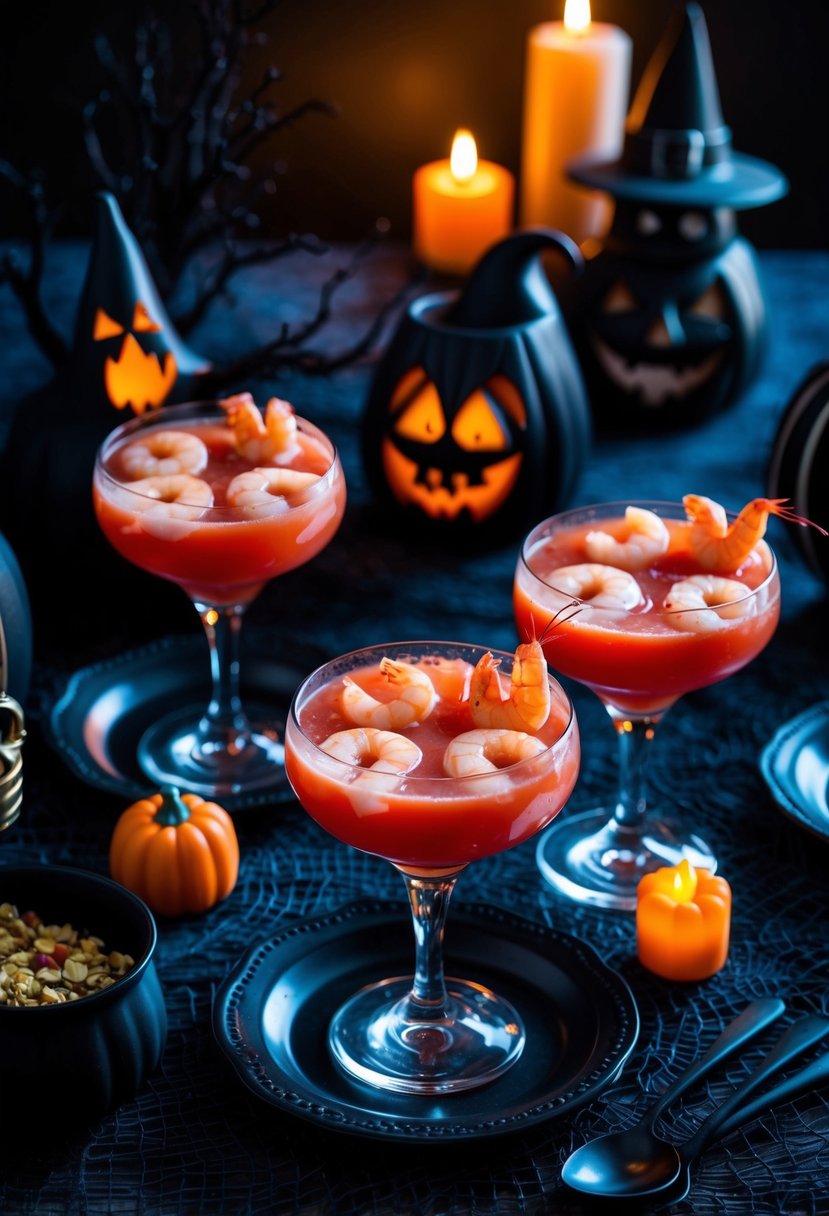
{"x": 430, "y": 791}
{"x": 218, "y": 499}
{"x": 669, "y": 598}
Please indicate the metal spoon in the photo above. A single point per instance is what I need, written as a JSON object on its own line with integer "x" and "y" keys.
{"x": 715, "y": 1127}
{"x": 622, "y": 1163}
{"x": 609, "y": 1174}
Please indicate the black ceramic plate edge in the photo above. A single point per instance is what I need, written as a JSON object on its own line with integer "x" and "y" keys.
{"x": 310, "y": 1104}
{"x": 815, "y": 715}
{"x": 64, "y": 715}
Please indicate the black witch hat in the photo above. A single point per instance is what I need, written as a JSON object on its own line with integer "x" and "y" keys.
{"x": 677, "y": 148}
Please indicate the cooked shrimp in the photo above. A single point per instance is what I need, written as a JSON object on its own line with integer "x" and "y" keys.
{"x": 694, "y": 599}
{"x": 169, "y": 507}
{"x": 163, "y": 454}
{"x": 723, "y": 547}
{"x": 526, "y": 706}
{"x": 415, "y": 701}
{"x": 645, "y": 539}
{"x": 387, "y": 751}
{"x": 598, "y": 585}
{"x": 261, "y": 487}
{"x": 175, "y": 489}
{"x": 485, "y": 751}
{"x": 256, "y": 438}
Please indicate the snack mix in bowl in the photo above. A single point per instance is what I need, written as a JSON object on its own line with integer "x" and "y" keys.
{"x": 50, "y": 964}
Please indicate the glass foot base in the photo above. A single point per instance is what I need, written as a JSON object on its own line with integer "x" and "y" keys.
{"x": 590, "y": 859}
{"x": 170, "y": 753}
{"x": 374, "y": 1037}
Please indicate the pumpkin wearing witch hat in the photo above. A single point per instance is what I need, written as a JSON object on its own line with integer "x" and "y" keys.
{"x": 126, "y": 358}
{"x": 669, "y": 318}
{"x": 477, "y": 422}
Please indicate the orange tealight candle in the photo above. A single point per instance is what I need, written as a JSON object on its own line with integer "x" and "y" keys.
{"x": 461, "y": 206}
{"x": 683, "y": 922}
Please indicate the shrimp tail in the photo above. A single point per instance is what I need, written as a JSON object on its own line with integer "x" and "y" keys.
{"x": 488, "y": 682}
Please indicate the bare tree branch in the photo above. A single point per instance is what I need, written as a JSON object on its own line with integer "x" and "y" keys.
{"x": 176, "y": 144}
{"x": 25, "y": 281}
{"x": 288, "y": 348}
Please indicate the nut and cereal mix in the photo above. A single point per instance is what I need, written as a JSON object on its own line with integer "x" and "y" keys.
{"x": 50, "y": 964}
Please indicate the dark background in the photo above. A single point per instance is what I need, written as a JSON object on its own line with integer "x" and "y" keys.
{"x": 404, "y": 74}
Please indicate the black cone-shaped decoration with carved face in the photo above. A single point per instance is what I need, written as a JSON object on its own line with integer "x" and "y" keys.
{"x": 127, "y": 354}
{"x": 127, "y": 358}
{"x": 477, "y": 421}
{"x": 669, "y": 319}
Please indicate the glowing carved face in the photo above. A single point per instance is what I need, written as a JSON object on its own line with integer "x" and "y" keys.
{"x": 137, "y": 377}
{"x": 661, "y": 329}
{"x": 674, "y": 349}
{"x": 452, "y": 462}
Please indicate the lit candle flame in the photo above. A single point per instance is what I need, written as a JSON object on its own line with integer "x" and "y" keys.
{"x": 684, "y": 882}
{"x": 577, "y": 16}
{"x": 463, "y": 162}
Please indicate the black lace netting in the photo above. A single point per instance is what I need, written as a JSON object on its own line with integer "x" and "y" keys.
{"x": 195, "y": 1141}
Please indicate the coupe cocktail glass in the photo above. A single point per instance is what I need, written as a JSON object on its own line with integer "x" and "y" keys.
{"x": 638, "y": 662}
{"x": 221, "y": 556}
{"x": 426, "y": 1035}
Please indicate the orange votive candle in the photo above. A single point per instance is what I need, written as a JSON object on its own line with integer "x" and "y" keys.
{"x": 576, "y": 84}
{"x": 683, "y": 922}
{"x": 461, "y": 206}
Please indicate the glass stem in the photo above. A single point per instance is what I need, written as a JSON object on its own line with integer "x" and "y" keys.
{"x": 429, "y": 903}
{"x": 635, "y": 736}
{"x": 223, "y": 725}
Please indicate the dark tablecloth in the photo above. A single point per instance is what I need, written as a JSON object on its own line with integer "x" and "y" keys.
{"x": 194, "y": 1140}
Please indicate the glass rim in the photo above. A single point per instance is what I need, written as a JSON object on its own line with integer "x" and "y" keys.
{"x": 620, "y": 506}
{"x": 381, "y": 648}
{"x": 188, "y": 408}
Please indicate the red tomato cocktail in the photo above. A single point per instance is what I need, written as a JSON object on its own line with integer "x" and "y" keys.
{"x": 641, "y": 605}
{"x": 641, "y": 660}
{"x": 430, "y": 789}
{"x": 221, "y": 554}
{"x": 218, "y": 497}
{"x": 428, "y": 820}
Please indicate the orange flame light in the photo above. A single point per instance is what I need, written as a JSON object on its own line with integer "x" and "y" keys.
{"x": 577, "y": 16}
{"x": 681, "y": 882}
{"x": 463, "y": 160}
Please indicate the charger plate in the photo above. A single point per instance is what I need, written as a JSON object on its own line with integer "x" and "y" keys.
{"x": 99, "y": 715}
{"x": 271, "y": 1016}
{"x": 795, "y": 764}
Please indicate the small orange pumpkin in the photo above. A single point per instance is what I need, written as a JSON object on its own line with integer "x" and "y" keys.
{"x": 178, "y": 852}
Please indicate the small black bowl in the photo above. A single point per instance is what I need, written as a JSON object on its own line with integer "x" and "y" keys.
{"x": 96, "y": 1051}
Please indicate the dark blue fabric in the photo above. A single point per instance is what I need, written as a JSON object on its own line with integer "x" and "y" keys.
{"x": 194, "y": 1141}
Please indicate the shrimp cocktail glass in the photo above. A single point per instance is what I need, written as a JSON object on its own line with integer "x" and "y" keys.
{"x": 431, "y": 755}
{"x": 642, "y": 602}
{"x": 218, "y": 498}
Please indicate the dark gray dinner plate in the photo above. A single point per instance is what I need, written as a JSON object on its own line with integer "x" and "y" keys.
{"x": 102, "y": 711}
{"x": 271, "y": 1016}
{"x": 795, "y": 764}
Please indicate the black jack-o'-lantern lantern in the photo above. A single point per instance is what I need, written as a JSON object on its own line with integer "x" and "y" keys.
{"x": 669, "y": 319}
{"x": 477, "y": 421}
{"x": 799, "y": 466}
{"x": 127, "y": 352}
{"x": 126, "y": 358}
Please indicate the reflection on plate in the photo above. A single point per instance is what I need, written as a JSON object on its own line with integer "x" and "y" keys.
{"x": 795, "y": 764}
{"x": 100, "y": 715}
{"x": 271, "y": 1015}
